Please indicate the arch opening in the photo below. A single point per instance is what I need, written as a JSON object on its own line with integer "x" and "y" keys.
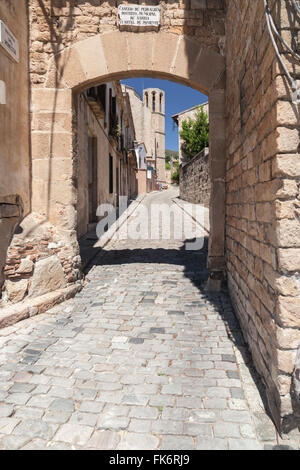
{"x": 96, "y": 61}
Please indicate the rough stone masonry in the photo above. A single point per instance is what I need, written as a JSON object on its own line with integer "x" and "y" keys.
{"x": 194, "y": 179}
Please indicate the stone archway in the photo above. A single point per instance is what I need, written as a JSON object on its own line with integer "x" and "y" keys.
{"x": 113, "y": 56}
{"x": 73, "y": 45}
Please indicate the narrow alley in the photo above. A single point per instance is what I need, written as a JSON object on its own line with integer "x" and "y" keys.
{"x": 142, "y": 358}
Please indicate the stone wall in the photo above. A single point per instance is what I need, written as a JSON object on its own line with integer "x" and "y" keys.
{"x": 88, "y": 125}
{"x": 57, "y": 24}
{"x": 39, "y": 260}
{"x": 194, "y": 183}
{"x": 262, "y": 196}
{"x": 14, "y": 128}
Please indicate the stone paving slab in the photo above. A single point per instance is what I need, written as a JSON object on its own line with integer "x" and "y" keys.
{"x": 142, "y": 358}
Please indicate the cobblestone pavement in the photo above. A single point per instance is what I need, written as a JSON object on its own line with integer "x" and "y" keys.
{"x": 142, "y": 358}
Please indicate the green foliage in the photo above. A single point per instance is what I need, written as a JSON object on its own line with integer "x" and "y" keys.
{"x": 172, "y": 158}
{"x": 175, "y": 176}
{"x": 195, "y": 134}
{"x": 172, "y": 155}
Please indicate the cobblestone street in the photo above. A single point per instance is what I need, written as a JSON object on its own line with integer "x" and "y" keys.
{"x": 142, "y": 358}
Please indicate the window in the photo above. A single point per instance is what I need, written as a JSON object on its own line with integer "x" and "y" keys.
{"x": 147, "y": 100}
{"x": 102, "y": 96}
{"x": 114, "y": 106}
{"x": 110, "y": 99}
{"x": 153, "y": 103}
{"x": 111, "y": 175}
{"x": 160, "y": 103}
{"x": 113, "y": 118}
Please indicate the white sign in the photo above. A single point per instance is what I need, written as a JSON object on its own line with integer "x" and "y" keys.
{"x": 9, "y": 42}
{"x": 139, "y": 15}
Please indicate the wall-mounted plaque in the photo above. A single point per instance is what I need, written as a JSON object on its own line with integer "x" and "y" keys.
{"x": 139, "y": 15}
{"x": 9, "y": 42}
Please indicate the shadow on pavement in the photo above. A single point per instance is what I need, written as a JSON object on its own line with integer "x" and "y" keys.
{"x": 195, "y": 269}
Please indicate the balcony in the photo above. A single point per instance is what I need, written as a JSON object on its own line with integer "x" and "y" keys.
{"x": 95, "y": 102}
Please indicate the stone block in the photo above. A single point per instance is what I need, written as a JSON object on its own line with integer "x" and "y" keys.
{"x": 289, "y": 259}
{"x": 287, "y": 140}
{"x": 16, "y": 290}
{"x": 91, "y": 53}
{"x": 286, "y": 165}
{"x": 116, "y": 52}
{"x": 40, "y": 145}
{"x": 26, "y": 266}
{"x": 288, "y": 233}
{"x": 52, "y": 100}
{"x": 140, "y": 51}
{"x": 164, "y": 50}
{"x": 287, "y": 338}
{"x": 48, "y": 276}
{"x": 198, "y": 4}
{"x": 68, "y": 65}
{"x": 288, "y": 311}
{"x": 286, "y": 361}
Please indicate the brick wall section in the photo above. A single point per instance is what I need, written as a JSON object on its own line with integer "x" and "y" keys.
{"x": 195, "y": 182}
{"x": 262, "y": 201}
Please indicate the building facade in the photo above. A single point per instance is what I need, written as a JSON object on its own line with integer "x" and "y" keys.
{"x": 15, "y": 200}
{"x": 107, "y": 160}
{"x": 149, "y": 119}
{"x": 154, "y": 100}
{"x": 146, "y": 175}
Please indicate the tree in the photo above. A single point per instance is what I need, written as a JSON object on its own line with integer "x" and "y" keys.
{"x": 175, "y": 175}
{"x": 171, "y": 156}
{"x": 195, "y": 134}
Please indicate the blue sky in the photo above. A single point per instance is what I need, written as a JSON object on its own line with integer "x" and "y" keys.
{"x": 178, "y": 98}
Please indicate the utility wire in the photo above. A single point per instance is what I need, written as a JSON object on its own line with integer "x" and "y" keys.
{"x": 282, "y": 40}
{"x": 273, "y": 30}
{"x": 296, "y": 6}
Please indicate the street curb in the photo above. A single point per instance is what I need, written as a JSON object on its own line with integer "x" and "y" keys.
{"x": 13, "y": 314}
{"x": 178, "y": 202}
{"x": 35, "y": 306}
{"x": 107, "y": 237}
